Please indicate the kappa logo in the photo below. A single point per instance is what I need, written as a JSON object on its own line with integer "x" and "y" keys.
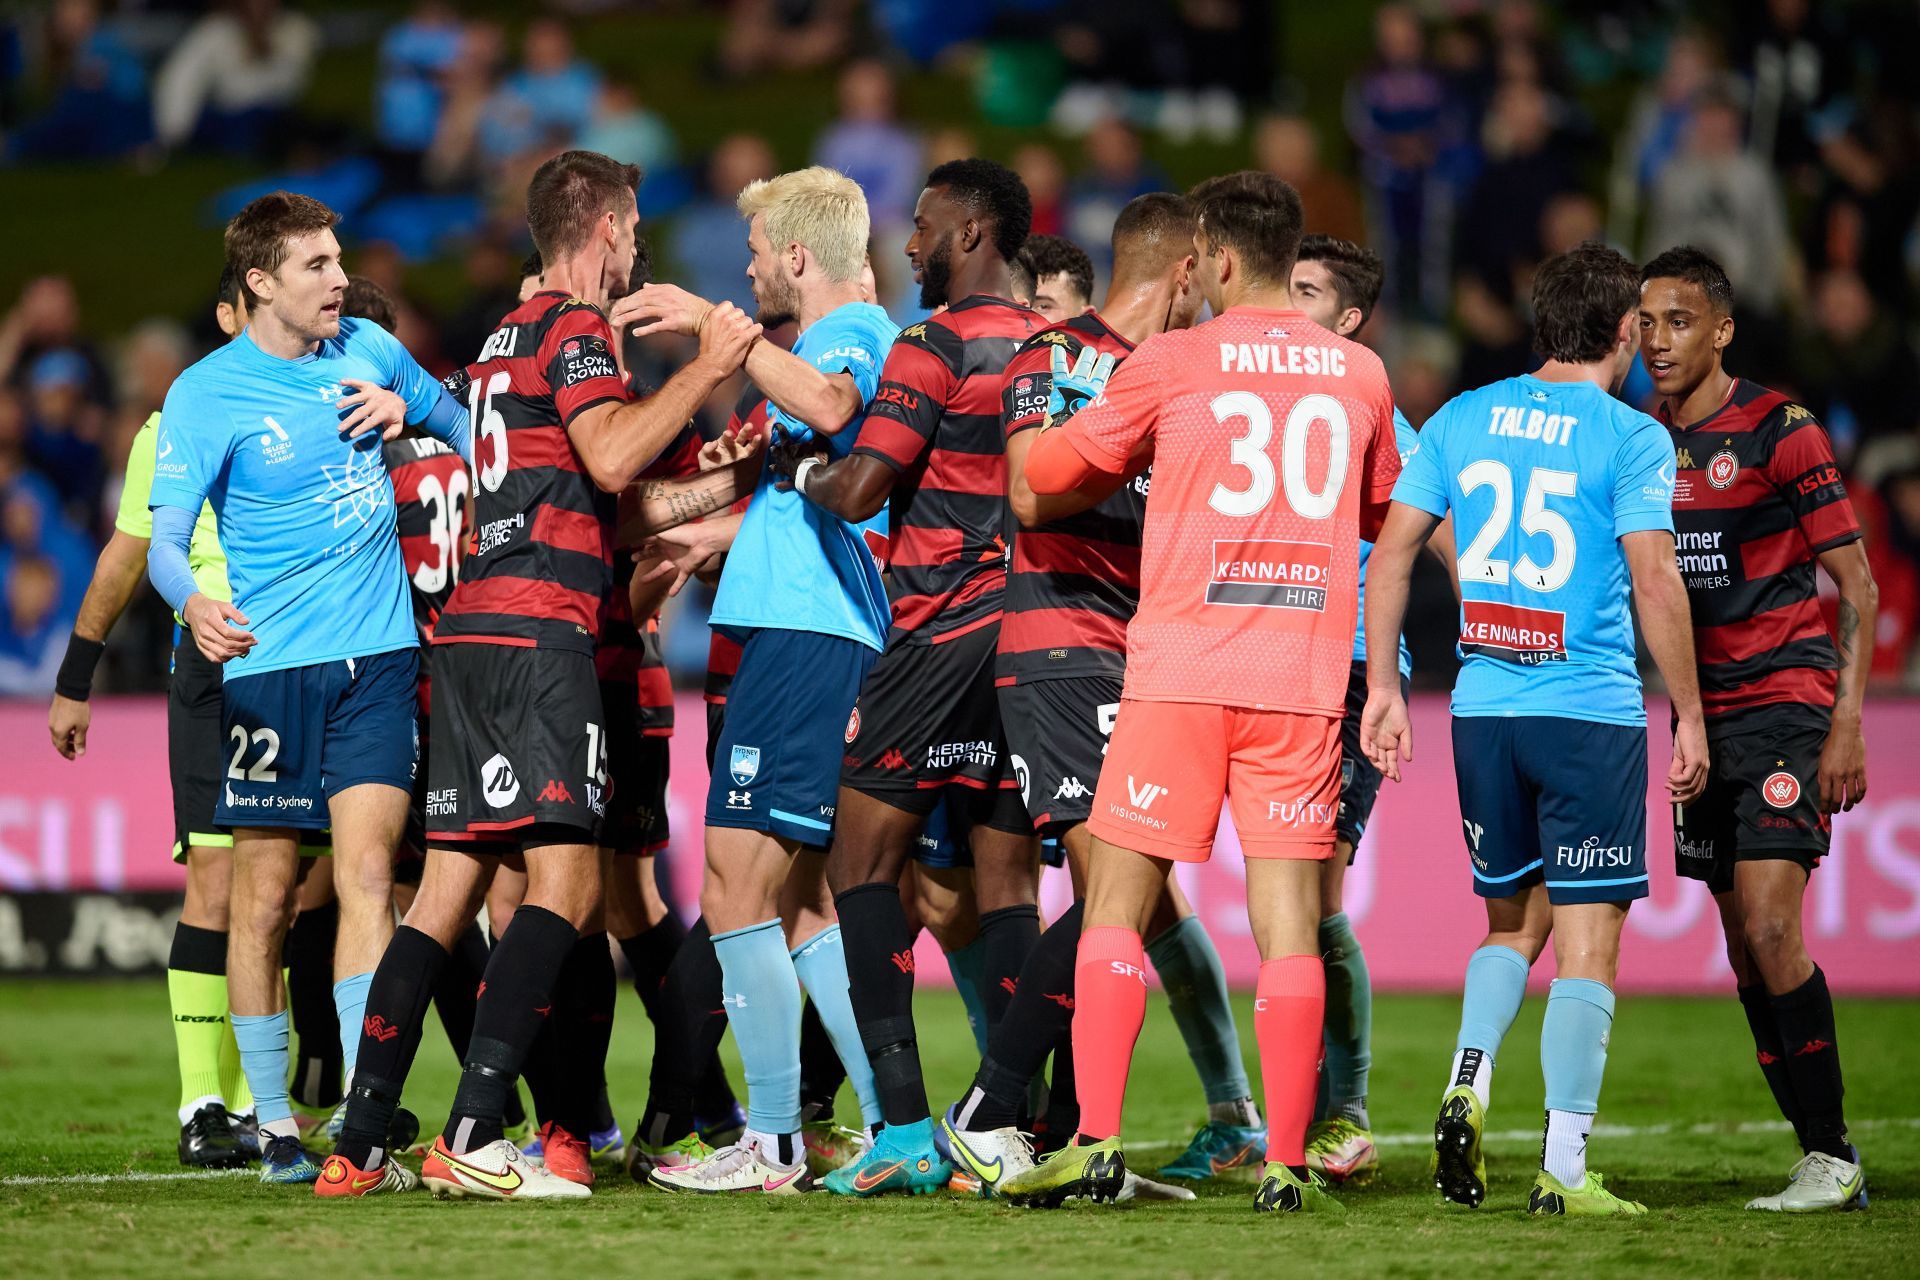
{"x": 893, "y": 759}
{"x": 745, "y": 764}
{"x": 1074, "y": 789}
{"x": 1781, "y": 790}
{"x": 1722, "y": 467}
{"x": 498, "y": 785}
{"x": 914, "y": 331}
{"x": 1143, "y": 796}
{"x": 555, "y": 792}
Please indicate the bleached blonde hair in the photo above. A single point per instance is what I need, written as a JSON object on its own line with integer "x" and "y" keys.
{"x": 818, "y": 207}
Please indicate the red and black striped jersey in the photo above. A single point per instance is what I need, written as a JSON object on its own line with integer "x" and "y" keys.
{"x": 1075, "y": 582}
{"x": 1757, "y": 498}
{"x": 629, "y": 655}
{"x": 540, "y": 552}
{"x": 430, "y": 508}
{"x": 723, "y": 653}
{"x": 936, "y": 421}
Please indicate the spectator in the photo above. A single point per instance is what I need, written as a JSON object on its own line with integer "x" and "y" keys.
{"x": 34, "y": 637}
{"x": 1039, "y": 167}
{"x": 1117, "y": 171}
{"x": 63, "y": 432}
{"x": 17, "y": 476}
{"x": 232, "y": 81}
{"x": 47, "y": 318}
{"x": 923, "y": 31}
{"x": 1499, "y": 234}
{"x": 1288, "y": 148}
{"x": 153, "y": 356}
{"x": 1858, "y": 371}
{"x": 1797, "y": 62}
{"x": 1569, "y": 219}
{"x": 868, "y": 144}
{"x": 455, "y": 157}
{"x": 1658, "y": 122}
{"x": 548, "y": 101}
{"x": 785, "y": 35}
{"x": 1721, "y": 197}
{"x": 410, "y": 94}
{"x": 710, "y": 241}
{"x": 1868, "y": 199}
{"x": 99, "y": 92}
{"x": 624, "y": 129}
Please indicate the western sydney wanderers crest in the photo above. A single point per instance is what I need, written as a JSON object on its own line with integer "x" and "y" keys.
{"x": 745, "y": 765}
{"x": 1722, "y": 467}
{"x": 1781, "y": 790}
{"x": 853, "y": 725}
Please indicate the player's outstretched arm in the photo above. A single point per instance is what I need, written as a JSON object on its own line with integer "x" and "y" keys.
{"x": 654, "y": 506}
{"x": 1843, "y": 761}
{"x": 1667, "y": 626}
{"x": 616, "y": 441}
{"x": 1386, "y": 732}
{"x": 854, "y": 488}
{"x": 1035, "y": 509}
{"x": 122, "y": 563}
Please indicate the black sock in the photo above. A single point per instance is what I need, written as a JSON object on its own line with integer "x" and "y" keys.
{"x": 316, "y": 1024}
{"x": 197, "y": 950}
{"x": 873, "y": 928}
{"x": 1805, "y": 1018}
{"x": 454, "y": 997}
{"x": 1772, "y": 1055}
{"x": 1063, "y": 1098}
{"x": 649, "y": 955}
{"x": 1007, "y": 937}
{"x": 515, "y": 998}
{"x": 396, "y": 1013}
{"x": 566, "y": 1065}
{"x": 1038, "y": 1019}
{"x": 821, "y": 1071}
{"x": 695, "y": 1020}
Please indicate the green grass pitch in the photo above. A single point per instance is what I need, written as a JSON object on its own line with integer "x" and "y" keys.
{"x": 87, "y": 1087}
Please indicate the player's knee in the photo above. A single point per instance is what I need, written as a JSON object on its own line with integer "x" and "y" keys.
{"x": 1771, "y": 941}
{"x": 363, "y": 884}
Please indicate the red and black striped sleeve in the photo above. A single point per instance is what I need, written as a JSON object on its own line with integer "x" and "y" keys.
{"x": 1803, "y": 472}
{"x": 921, "y": 375}
{"x": 577, "y": 354}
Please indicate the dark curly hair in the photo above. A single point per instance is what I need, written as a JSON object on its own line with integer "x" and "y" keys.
{"x": 992, "y": 193}
{"x": 1356, "y": 270}
{"x": 1684, "y": 262}
{"x": 1578, "y": 299}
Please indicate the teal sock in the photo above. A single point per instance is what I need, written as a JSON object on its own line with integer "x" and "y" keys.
{"x": 968, "y": 965}
{"x": 821, "y": 963}
{"x": 1349, "y": 1024}
{"x": 263, "y": 1056}
{"x": 1496, "y": 984}
{"x": 762, "y": 998}
{"x": 1573, "y": 1043}
{"x": 1196, "y": 987}
{"x": 350, "y": 1002}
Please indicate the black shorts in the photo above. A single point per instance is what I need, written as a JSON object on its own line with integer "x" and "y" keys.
{"x": 1057, "y": 731}
{"x": 716, "y": 716}
{"x": 520, "y": 747}
{"x": 1359, "y": 780}
{"x": 928, "y": 717}
{"x": 410, "y": 859}
{"x": 195, "y": 747}
{"x": 1762, "y": 802}
{"x": 636, "y": 820}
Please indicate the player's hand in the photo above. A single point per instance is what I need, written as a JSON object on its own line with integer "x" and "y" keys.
{"x": 726, "y": 335}
{"x": 219, "y": 630}
{"x": 730, "y": 446}
{"x": 1687, "y": 777}
{"x": 372, "y": 408}
{"x": 659, "y": 308}
{"x": 653, "y": 581}
{"x": 68, "y": 721}
{"x": 1843, "y": 766}
{"x": 1386, "y": 733}
{"x": 783, "y": 460}
{"x": 1074, "y": 386}
{"x": 683, "y": 551}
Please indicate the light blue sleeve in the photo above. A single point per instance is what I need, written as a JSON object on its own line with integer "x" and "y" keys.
{"x": 401, "y": 373}
{"x": 196, "y": 435}
{"x": 167, "y": 565}
{"x": 854, "y": 348}
{"x": 1405, "y": 438}
{"x": 1642, "y": 479}
{"x": 1423, "y": 478}
{"x": 450, "y": 423}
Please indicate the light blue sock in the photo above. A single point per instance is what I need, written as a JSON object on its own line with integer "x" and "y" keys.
{"x": 1573, "y": 1043}
{"x": 350, "y": 1001}
{"x": 821, "y": 963}
{"x": 968, "y": 965}
{"x": 1496, "y": 984}
{"x": 263, "y": 1056}
{"x": 1196, "y": 987}
{"x": 762, "y": 996}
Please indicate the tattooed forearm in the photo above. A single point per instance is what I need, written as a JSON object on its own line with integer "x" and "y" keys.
{"x": 1849, "y": 644}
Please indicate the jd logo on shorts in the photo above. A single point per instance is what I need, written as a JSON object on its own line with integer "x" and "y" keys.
{"x": 745, "y": 765}
{"x": 498, "y": 786}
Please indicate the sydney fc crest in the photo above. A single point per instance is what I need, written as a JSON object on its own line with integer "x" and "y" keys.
{"x": 745, "y": 765}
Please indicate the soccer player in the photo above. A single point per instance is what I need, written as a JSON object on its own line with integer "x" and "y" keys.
{"x": 516, "y": 708}
{"x": 1567, "y": 494}
{"x": 926, "y": 717}
{"x": 1759, "y": 501}
{"x": 214, "y": 1099}
{"x": 318, "y": 699}
{"x": 1054, "y": 276}
{"x": 801, "y": 592}
{"x": 1072, "y": 587}
{"x": 1274, "y": 455}
{"x": 1336, "y": 284}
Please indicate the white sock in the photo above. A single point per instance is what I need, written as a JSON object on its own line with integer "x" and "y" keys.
{"x": 1474, "y": 1069}
{"x": 1564, "y": 1154}
{"x": 186, "y": 1112}
{"x": 287, "y": 1128}
{"x": 782, "y": 1149}
{"x": 1240, "y": 1111}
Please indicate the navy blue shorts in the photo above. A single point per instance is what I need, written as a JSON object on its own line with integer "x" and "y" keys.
{"x": 297, "y": 737}
{"x": 776, "y": 763}
{"x": 1554, "y": 799}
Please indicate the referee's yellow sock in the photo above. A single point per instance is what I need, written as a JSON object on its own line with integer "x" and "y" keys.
{"x": 197, "y": 993}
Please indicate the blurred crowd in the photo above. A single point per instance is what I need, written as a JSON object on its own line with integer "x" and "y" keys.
{"x": 1474, "y": 138}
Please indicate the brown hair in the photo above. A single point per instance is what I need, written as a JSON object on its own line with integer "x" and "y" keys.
{"x": 570, "y": 193}
{"x": 1256, "y": 215}
{"x": 259, "y": 234}
{"x": 1578, "y": 299}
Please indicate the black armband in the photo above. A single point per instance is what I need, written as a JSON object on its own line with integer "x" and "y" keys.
{"x": 75, "y": 680}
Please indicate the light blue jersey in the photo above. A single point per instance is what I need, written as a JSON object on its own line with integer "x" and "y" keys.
{"x": 795, "y": 565}
{"x": 306, "y": 516}
{"x": 1543, "y": 479}
{"x": 1406, "y": 439}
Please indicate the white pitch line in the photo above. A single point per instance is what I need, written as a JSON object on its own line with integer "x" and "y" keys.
{"x": 1380, "y": 1140}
